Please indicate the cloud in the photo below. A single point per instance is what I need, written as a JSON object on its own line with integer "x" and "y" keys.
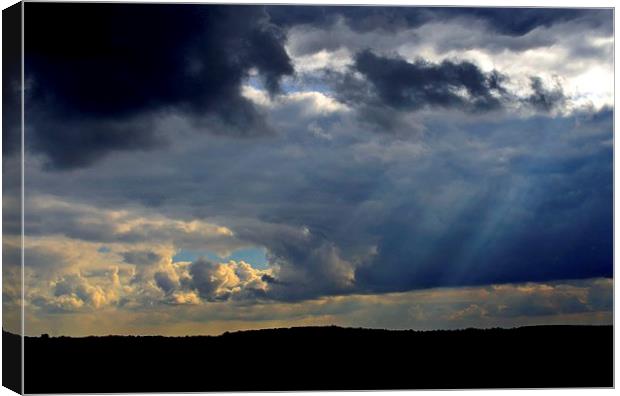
{"x": 564, "y": 302}
{"x": 54, "y": 216}
{"x": 483, "y": 180}
{"x": 11, "y": 170}
{"x": 404, "y": 85}
{"x": 543, "y": 98}
{"x": 547, "y": 49}
{"x": 502, "y": 222}
{"x": 304, "y": 263}
{"x": 141, "y": 257}
{"x": 455, "y": 205}
{"x": 223, "y": 281}
{"x": 98, "y": 258}
{"x": 74, "y": 293}
{"x": 317, "y": 29}
{"x": 99, "y": 91}
{"x": 164, "y": 282}
{"x": 108, "y": 89}
{"x": 461, "y": 203}
{"x": 186, "y": 298}
{"x": 502, "y": 20}
{"x": 11, "y": 87}
{"x": 538, "y": 299}
{"x": 517, "y": 22}
{"x": 135, "y": 279}
{"x": 76, "y": 141}
{"x": 387, "y": 90}
{"x": 306, "y": 104}
{"x": 78, "y": 287}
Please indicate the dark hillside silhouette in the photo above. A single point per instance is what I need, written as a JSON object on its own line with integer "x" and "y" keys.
{"x": 314, "y": 358}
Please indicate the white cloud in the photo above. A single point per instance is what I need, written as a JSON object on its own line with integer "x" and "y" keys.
{"x": 337, "y": 60}
{"x": 304, "y": 103}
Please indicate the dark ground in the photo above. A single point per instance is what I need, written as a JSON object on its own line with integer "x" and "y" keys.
{"x": 315, "y": 358}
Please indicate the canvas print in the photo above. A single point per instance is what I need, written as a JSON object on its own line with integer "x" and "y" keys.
{"x": 202, "y": 197}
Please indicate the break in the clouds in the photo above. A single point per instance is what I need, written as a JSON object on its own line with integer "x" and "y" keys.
{"x": 252, "y": 166}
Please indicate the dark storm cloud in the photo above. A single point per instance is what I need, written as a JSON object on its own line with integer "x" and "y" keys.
{"x": 11, "y": 80}
{"x": 91, "y": 65}
{"x": 103, "y": 89}
{"x": 505, "y": 21}
{"x": 390, "y": 85}
{"x": 404, "y": 85}
{"x": 76, "y": 141}
{"x": 141, "y": 257}
{"x": 544, "y": 98}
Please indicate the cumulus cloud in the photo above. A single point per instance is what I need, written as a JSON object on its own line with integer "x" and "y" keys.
{"x": 304, "y": 262}
{"x": 164, "y": 282}
{"x": 75, "y": 292}
{"x": 79, "y": 289}
{"x": 204, "y": 281}
{"x": 98, "y": 258}
{"x": 226, "y": 280}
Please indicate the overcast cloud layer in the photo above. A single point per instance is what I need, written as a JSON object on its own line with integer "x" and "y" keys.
{"x": 256, "y": 165}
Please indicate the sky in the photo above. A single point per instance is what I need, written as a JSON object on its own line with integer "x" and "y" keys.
{"x": 195, "y": 169}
